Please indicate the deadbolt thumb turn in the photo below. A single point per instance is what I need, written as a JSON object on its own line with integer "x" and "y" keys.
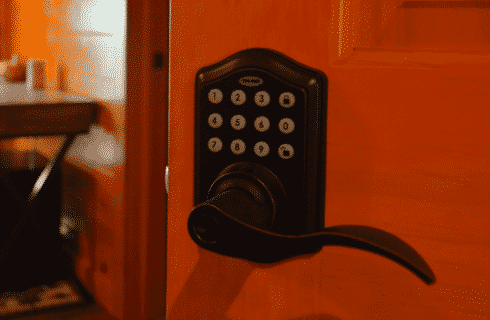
{"x": 260, "y": 157}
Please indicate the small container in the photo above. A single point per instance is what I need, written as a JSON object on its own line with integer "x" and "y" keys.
{"x": 35, "y": 74}
{"x": 3, "y": 67}
{"x": 16, "y": 69}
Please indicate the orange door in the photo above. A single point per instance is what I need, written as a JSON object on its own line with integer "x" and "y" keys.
{"x": 408, "y": 151}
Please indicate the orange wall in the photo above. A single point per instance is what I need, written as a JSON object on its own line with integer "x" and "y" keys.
{"x": 42, "y": 30}
{"x": 29, "y": 34}
{"x": 407, "y": 152}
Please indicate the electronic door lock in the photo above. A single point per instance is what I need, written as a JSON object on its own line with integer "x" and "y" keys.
{"x": 260, "y": 144}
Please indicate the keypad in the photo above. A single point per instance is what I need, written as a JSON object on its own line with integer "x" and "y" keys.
{"x": 253, "y": 104}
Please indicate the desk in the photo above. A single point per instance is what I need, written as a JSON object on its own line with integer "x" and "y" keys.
{"x": 26, "y": 112}
{"x": 31, "y": 112}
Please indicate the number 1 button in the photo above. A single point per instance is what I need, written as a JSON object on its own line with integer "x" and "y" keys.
{"x": 215, "y": 96}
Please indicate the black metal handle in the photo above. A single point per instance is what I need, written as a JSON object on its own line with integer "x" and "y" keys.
{"x": 238, "y": 221}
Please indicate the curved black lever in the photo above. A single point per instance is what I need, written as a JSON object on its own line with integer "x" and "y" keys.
{"x": 237, "y": 220}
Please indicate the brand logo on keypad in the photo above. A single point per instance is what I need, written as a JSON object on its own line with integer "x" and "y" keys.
{"x": 251, "y": 81}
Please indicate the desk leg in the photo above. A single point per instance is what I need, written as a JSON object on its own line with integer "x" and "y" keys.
{"x": 28, "y": 209}
{"x": 53, "y": 164}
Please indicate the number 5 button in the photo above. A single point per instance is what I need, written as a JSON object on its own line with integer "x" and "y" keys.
{"x": 286, "y": 125}
{"x": 238, "y": 122}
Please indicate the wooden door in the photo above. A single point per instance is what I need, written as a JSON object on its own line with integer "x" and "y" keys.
{"x": 408, "y": 146}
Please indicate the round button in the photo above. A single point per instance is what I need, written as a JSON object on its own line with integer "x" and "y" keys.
{"x": 286, "y": 151}
{"x": 262, "y": 124}
{"x": 215, "y": 95}
{"x": 238, "y": 122}
{"x": 287, "y": 99}
{"x": 215, "y": 144}
{"x": 215, "y": 120}
{"x": 262, "y": 98}
{"x": 261, "y": 149}
{"x": 286, "y": 125}
{"x": 238, "y": 97}
{"x": 237, "y": 146}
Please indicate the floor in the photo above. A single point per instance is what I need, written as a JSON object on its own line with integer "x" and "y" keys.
{"x": 94, "y": 312}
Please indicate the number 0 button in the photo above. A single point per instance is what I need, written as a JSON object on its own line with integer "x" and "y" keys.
{"x": 238, "y": 122}
{"x": 286, "y": 125}
{"x": 261, "y": 149}
{"x": 215, "y": 120}
{"x": 286, "y": 151}
{"x": 215, "y": 144}
{"x": 238, "y": 146}
{"x": 215, "y": 96}
{"x": 238, "y": 97}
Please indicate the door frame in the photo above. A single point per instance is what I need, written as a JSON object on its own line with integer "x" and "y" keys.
{"x": 146, "y": 138}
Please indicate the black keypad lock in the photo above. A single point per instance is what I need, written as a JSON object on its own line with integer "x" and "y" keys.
{"x": 260, "y": 156}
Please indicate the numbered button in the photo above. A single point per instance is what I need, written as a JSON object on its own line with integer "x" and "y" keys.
{"x": 237, "y": 146}
{"x": 262, "y": 124}
{"x": 215, "y": 120}
{"x": 286, "y": 151}
{"x": 215, "y": 96}
{"x": 262, "y": 98}
{"x": 238, "y": 122}
{"x": 215, "y": 144}
{"x": 261, "y": 149}
{"x": 286, "y": 125}
{"x": 238, "y": 97}
{"x": 287, "y": 99}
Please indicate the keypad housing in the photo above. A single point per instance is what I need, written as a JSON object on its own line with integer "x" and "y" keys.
{"x": 238, "y": 93}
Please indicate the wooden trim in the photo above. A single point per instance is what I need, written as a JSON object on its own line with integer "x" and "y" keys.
{"x": 145, "y": 199}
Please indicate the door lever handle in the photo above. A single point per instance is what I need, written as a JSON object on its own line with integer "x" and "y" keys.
{"x": 238, "y": 218}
